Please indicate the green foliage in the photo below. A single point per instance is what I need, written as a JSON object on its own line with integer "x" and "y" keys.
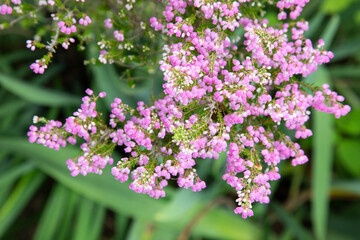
{"x": 350, "y": 124}
{"x": 335, "y": 6}
{"x": 323, "y": 141}
{"x": 348, "y": 153}
{"x": 35, "y": 94}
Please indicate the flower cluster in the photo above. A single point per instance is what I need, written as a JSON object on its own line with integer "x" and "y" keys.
{"x": 87, "y": 125}
{"x": 221, "y": 94}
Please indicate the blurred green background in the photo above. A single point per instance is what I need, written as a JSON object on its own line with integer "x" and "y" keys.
{"x": 40, "y": 200}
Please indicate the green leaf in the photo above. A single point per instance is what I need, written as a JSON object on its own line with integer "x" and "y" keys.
{"x": 348, "y": 153}
{"x": 5, "y": 192}
{"x": 322, "y": 160}
{"x": 345, "y": 71}
{"x": 107, "y": 80}
{"x": 121, "y": 223}
{"x": 291, "y": 223}
{"x": 330, "y": 31}
{"x": 346, "y": 225}
{"x": 335, "y": 6}
{"x": 18, "y": 199}
{"x": 7, "y": 59}
{"x": 35, "y": 94}
{"x": 139, "y": 230}
{"x": 163, "y": 232}
{"x": 12, "y": 174}
{"x": 314, "y": 25}
{"x": 90, "y": 220}
{"x": 11, "y": 107}
{"x": 219, "y": 165}
{"x": 67, "y": 224}
{"x": 52, "y": 214}
{"x": 343, "y": 236}
{"x": 345, "y": 185}
{"x": 348, "y": 48}
{"x": 182, "y": 204}
{"x": 349, "y": 124}
{"x": 187, "y": 205}
{"x": 224, "y": 224}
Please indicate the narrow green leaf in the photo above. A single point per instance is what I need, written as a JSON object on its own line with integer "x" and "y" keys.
{"x": 348, "y": 153}
{"x": 35, "y": 94}
{"x": 16, "y": 56}
{"x": 12, "y": 174}
{"x": 107, "y": 79}
{"x": 163, "y": 232}
{"x": 90, "y": 219}
{"x": 97, "y": 222}
{"x": 343, "y": 236}
{"x": 335, "y": 6}
{"x": 346, "y": 185}
{"x": 314, "y": 25}
{"x": 83, "y": 219}
{"x": 322, "y": 160}
{"x": 18, "y": 199}
{"x": 7, "y": 122}
{"x": 183, "y": 203}
{"x": 291, "y": 223}
{"x": 312, "y": 7}
{"x": 352, "y": 98}
{"x": 3, "y": 155}
{"x": 287, "y": 235}
{"x": 345, "y": 225}
{"x": 224, "y": 224}
{"x": 5, "y": 192}
{"x": 52, "y": 214}
{"x": 11, "y": 107}
{"x": 348, "y": 48}
{"x": 219, "y": 165}
{"x": 139, "y": 230}
{"x": 345, "y": 71}
{"x": 121, "y": 223}
{"x": 349, "y": 124}
{"x": 67, "y": 224}
{"x": 7, "y": 59}
{"x": 330, "y": 31}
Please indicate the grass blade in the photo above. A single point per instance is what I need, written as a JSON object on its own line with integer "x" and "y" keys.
{"x": 315, "y": 25}
{"x": 322, "y": 160}
{"x": 139, "y": 230}
{"x": 90, "y": 218}
{"x": 349, "y": 48}
{"x": 183, "y": 203}
{"x": 11, "y": 107}
{"x": 348, "y": 186}
{"x": 23, "y": 191}
{"x": 67, "y": 223}
{"x": 121, "y": 223}
{"x": 12, "y": 174}
{"x": 52, "y": 214}
{"x": 107, "y": 79}
{"x": 291, "y": 223}
{"x": 330, "y": 31}
{"x": 36, "y": 94}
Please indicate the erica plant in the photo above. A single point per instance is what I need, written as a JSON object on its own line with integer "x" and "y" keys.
{"x": 230, "y": 79}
